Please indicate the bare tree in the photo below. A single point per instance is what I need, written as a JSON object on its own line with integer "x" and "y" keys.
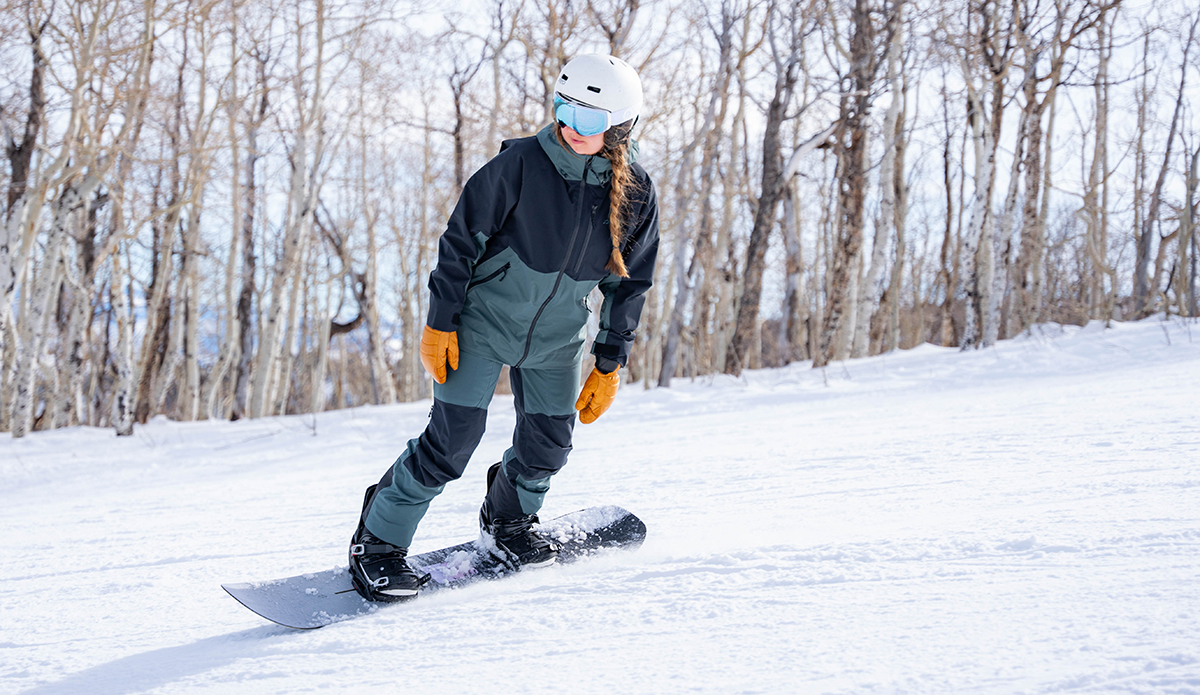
{"x": 1142, "y": 287}
{"x": 788, "y": 26}
{"x": 851, "y": 149}
{"x": 889, "y": 215}
{"x": 709, "y": 133}
{"x": 986, "y": 56}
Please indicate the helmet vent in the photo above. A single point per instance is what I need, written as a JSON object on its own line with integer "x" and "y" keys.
{"x": 593, "y": 89}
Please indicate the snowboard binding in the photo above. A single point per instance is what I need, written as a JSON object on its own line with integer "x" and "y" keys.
{"x": 380, "y": 570}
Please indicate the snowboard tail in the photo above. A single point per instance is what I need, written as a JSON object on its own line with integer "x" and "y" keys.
{"x": 313, "y": 600}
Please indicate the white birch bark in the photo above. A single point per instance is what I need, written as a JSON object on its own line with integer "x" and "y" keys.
{"x": 977, "y": 255}
{"x": 794, "y": 303}
{"x": 69, "y": 406}
{"x": 870, "y": 291}
{"x": 44, "y": 293}
{"x": 385, "y": 381}
{"x": 302, "y": 193}
{"x": 123, "y": 388}
{"x": 191, "y": 359}
{"x": 291, "y": 347}
{"x": 269, "y": 345}
{"x": 325, "y": 317}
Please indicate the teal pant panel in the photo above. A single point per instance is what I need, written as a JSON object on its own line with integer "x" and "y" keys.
{"x": 399, "y": 507}
{"x": 548, "y": 391}
{"x": 472, "y": 384}
{"x": 531, "y": 494}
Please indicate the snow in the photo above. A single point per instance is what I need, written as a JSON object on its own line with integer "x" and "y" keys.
{"x": 1024, "y": 519}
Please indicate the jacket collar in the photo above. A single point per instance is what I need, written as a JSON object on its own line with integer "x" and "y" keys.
{"x": 571, "y": 166}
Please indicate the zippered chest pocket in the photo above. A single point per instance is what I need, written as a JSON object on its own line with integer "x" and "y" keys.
{"x": 498, "y": 273}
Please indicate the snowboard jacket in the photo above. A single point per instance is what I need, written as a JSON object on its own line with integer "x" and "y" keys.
{"x": 527, "y": 243}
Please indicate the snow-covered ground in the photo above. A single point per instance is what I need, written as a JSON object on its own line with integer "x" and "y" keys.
{"x": 1024, "y": 519}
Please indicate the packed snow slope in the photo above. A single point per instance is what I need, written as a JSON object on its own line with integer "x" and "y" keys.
{"x": 1023, "y": 519}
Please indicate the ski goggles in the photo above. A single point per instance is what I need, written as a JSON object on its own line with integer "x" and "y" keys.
{"x": 583, "y": 119}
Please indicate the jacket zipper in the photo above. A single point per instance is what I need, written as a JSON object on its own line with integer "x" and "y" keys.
{"x": 501, "y": 272}
{"x": 566, "y": 260}
{"x": 588, "y": 235}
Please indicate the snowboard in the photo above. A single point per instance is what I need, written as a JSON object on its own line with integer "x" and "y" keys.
{"x": 309, "y": 601}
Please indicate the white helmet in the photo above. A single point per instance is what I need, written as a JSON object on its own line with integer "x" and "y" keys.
{"x": 604, "y": 82}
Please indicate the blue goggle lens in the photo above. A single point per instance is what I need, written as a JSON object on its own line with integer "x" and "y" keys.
{"x": 581, "y": 119}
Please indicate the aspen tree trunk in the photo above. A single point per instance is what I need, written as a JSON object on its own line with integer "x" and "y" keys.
{"x": 900, "y": 217}
{"x": 715, "y": 293}
{"x": 69, "y": 406}
{"x": 301, "y": 198}
{"x": 727, "y": 287}
{"x": 123, "y": 405}
{"x": 746, "y": 324}
{"x": 409, "y": 320}
{"x": 977, "y": 246}
{"x": 1185, "y": 273}
{"x": 182, "y": 345}
{"x": 1001, "y": 280}
{"x": 191, "y": 358}
{"x": 1038, "y": 271}
{"x": 199, "y": 163}
{"x": 293, "y": 336}
{"x": 324, "y": 325}
{"x": 25, "y": 206}
{"x": 157, "y": 363}
{"x": 17, "y": 222}
{"x": 1095, "y": 208}
{"x": 792, "y": 338}
{"x": 231, "y": 338}
{"x": 868, "y": 296}
{"x": 383, "y": 382}
{"x": 992, "y": 49}
{"x": 123, "y": 387}
{"x": 711, "y": 130}
{"x": 172, "y": 356}
{"x": 1097, "y": 215}
{"x": 1029, "y": 256}
{"x": 67, "y": 286}
{"x": 245, "y": 302}
{"x": 818, "y": 280}
{"x": 1143, "y": 291}
{"x": 44, "y": 293}
{"x": 837, "y": 333}
{"x": 947, "y": 278}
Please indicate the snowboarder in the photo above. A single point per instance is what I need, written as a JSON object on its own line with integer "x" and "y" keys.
{"x": 536, "y": 229}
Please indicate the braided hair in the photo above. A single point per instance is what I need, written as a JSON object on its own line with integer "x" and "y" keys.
{"x": 616, "y": 151}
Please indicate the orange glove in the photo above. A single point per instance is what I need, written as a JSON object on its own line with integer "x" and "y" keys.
{"x": 598, "y": 393}
{"x": 437, "y": 349}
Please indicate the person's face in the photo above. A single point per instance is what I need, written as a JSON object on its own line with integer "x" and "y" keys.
{"x": 583, "y": 144}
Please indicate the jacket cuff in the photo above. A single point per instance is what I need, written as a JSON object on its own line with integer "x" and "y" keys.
{"x": 608, "y": 358}
{"x": 442, "y": 317}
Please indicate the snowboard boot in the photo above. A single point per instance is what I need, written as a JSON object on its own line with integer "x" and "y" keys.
{"x": 514, "y": 541}
{"x": 380, "y": 570}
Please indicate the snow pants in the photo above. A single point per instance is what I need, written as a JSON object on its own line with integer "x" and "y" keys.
{"x": 544, "y": 400}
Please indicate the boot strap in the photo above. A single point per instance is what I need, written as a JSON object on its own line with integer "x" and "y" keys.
{"x": 359, "y": 549}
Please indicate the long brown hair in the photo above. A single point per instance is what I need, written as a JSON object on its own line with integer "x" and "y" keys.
{"x": 616, "y": 151}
